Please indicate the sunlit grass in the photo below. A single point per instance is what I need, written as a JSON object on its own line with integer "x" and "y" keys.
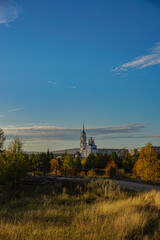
{"x": 42, "y": 213}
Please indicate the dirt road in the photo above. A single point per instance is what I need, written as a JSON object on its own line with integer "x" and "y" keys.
{"x": 139, "y": 187}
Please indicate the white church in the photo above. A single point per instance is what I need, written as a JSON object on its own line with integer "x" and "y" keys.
{"x": 90, "y": 147}
{"x": 86, "y": 149}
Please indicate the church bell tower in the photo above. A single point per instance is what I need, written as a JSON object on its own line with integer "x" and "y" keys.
{"x": 83, "y": 142}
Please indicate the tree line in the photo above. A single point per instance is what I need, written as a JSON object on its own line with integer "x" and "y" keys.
{"x": 15, "y": 164}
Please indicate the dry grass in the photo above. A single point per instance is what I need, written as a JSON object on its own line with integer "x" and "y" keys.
{"x": 43, "y": 214}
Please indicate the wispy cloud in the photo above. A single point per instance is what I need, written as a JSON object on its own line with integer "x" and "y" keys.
{"x": 51, "y": 82}
{"x": 52, "y": 133}
{"x": 2, "y": 115}
{"x": 15, "y": 109}
{"x": 73, "y": 87}
{"x": 144, "y": 61}
{"x": 128, "y": 137}
{"x": 8, "y": 11}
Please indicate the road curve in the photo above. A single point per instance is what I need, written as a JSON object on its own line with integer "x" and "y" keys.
{"x": 138, "y": 187}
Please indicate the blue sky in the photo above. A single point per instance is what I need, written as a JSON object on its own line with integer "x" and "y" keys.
{"x": 67, "y": 62}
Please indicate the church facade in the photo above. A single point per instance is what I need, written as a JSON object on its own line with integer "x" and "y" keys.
{"x": 90, "y": 147}
{"x": 87, "y": 148}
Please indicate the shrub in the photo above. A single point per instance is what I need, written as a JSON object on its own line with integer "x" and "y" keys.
{"x": 120, "y": 174}
{"x": 91, "y": 173}
{"x": 82, "y": 174}
{"x": 111, "y": 169}
{"x": 103, "y": 188}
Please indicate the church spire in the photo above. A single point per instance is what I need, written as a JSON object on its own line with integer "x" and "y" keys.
{"x": 83, "y": 140}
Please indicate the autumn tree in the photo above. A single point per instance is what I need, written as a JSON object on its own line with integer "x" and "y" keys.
{"x": 55, "y": 167}
{"x": 114, "y": 157}
{"x": 111, "y": 169}
{"x": 2, "y": 139}
{"x": 14, "y": 163}
{"x": 68, "y": 165}
{"x": 83, "y": 161}
{"x": 91, "y": 173}
{"x": 147, "y": 166}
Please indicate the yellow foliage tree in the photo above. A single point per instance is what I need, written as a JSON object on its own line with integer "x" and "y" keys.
{"x": 68, "y": 165}
{"x": 147, "y": 166}
{"x": 83, "y": 161}
{"x": 91, "y": 173}
{"x": 55, "y": 167}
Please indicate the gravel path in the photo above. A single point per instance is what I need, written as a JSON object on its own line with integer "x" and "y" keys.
{"x": 139, "y": 187}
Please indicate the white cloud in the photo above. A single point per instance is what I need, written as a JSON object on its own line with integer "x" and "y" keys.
{"x": 2, "y": 115}
{"x": 144, "y": 61}
{"x": 51, "y": 82}
{"x": 73, "y": 87}
{"x": 15, "y": 109}
{"x": 127, "y": 136}
{"x": 52, "y": 133}
{"x": 8, "y": 11}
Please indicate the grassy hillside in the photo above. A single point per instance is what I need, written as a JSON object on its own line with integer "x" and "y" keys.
{"x": 99, "y": 210}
